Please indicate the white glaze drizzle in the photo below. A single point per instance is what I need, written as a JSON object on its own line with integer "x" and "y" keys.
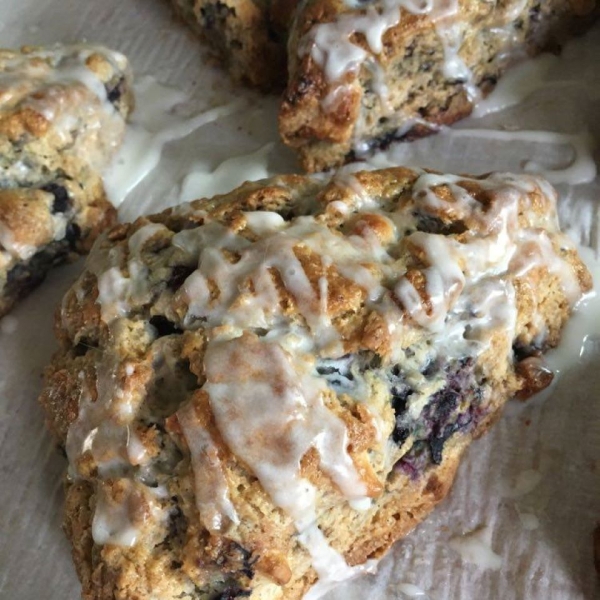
{"x": 489, "y": 303}
{"x": 112, "y": 522}
{"x": 503, "y": 246}
{"x": 56, "y": 64}
{"x": 332, "y": 47}
{"x": 238, "y": 307}
{"x": 116, "y": 292}
{"x": 330, "y": 565}
{"x": 378, "y": 85}
{"x": 75, "y": 114}
{"x": 411, "y": 590}
{"x": 102, "y": 427}
{"x": 336, "y": 51}
{"x": 515, "y": 85}
{"x": 201, "y": 182}
{"x": 118, "y": 521}
{"x": 56, "y": 83}
{"x": 153, "y": 125}
{"x": 264, "y": 222}
{"x": 330, "y": 44}
{"x": 270, "y": 412}
{"x": 451, "y": 33}
{"x": 211, "y": 491}
{"x": 525, "y": 483}
{"x": 469, "y": 284}
{"x": 582, "y": 331}
{"x": 475, "y": 547}
{"x": 104, "y": 430}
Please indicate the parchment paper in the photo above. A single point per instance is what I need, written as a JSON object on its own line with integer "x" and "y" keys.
{"x": 551, "y": 444}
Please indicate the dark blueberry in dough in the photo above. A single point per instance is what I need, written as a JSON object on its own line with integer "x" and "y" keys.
{"x": 163, "y": 326}
{"x": 430, "y": 224}
{"x": 178, "y": 275}
{"x": 24, "y": 277}
{"x": 83, "y": 346}
{"x": 62, "y": 202}
{"x": 400, "y": 395}
{"x": 534, "y": 12}
{"x": 522, "y": 351}
{"x": 231, "y": 593}
{"x": 215, "y": 13}
{"x": 438, "y": 440}
{"x": 444, "y": 403}
{"x": 177, "y": 524}
{"x": 114, "y": 94}
{"x": 400, "y": 435}
{"x": 454, "y": 408}
{"x": 247, "y": 560}
{"x": 73, "y": 233}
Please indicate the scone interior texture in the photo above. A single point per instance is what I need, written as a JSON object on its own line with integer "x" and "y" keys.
{"x": 260, "y": 392}
{"x": 247, "y": 36}
{"x": 363, "y": 75}
{"x": 62, "y": 117}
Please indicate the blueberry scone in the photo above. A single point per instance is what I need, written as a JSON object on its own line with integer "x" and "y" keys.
{"x": 260, "y": 392}
{"x": 364, "y": 74}
{"x": 62, "y": 117}
{"x": 248, "y": 36}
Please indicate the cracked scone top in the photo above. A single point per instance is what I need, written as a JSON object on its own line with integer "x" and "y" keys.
{"x": 62, "y": 117}
{"x": 258, "y": 393}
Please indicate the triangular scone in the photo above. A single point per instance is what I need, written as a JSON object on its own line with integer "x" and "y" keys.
{"x": 362, "y": 75}
{"x": 62, "y": 118}
{"x": 258, "y": 393}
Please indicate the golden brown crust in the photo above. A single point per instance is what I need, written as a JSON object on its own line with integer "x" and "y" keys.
{"x": 135, "y": 365}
